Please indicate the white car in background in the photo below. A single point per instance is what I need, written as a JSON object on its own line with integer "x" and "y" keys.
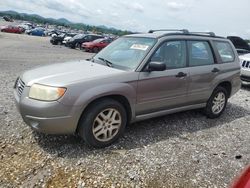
{"x": 245, "y": 68}
{"x": 66, "y": 39}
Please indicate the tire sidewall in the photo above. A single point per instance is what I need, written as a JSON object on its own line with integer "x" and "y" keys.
{"x": 77, "y": 45}
{"x": 95, "y": 49}
{"x": 208, "y": 109}
{"x": 86, "y": 122}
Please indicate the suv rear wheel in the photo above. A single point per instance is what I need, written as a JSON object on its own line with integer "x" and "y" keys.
{"x": 103, "y": 123}
{"x": 216, "y": 103}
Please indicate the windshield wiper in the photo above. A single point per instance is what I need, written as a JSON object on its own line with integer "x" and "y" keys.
{"x": 108, "y": 63}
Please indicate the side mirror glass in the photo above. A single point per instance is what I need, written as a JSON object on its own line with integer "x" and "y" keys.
{"x": 156, "y": 66}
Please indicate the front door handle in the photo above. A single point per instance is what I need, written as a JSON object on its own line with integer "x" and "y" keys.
{"x": 215, "y": 70}
{"x": 180, "y": 75}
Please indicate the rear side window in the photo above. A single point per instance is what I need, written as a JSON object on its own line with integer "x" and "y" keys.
{"x": 200, "y": 53}
{"x": 225, "y": 51}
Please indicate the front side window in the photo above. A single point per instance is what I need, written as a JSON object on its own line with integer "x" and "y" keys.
{"x": 225, "y": 51}
{"x": 126, "y": 52}
{"x": 200, "y": 53}
{"x": 172, "y": 53}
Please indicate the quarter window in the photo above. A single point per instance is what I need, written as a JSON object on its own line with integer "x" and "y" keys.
{"x": 225, "y": 51}
{"x": 200, "y": 53}
{"x": 172, "y": 53}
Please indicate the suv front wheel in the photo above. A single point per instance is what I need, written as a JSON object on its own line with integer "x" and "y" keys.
{"x": 103, "y": 123}
{"x": 216, "y": 103}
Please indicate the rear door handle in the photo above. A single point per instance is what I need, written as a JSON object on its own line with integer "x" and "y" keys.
{"x": 181, "y": 74}
{"x": 215, "y": 70}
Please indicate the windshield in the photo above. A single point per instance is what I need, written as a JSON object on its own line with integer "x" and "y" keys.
{"x": 126, "y": 52}
{"x": 79, "y": 36}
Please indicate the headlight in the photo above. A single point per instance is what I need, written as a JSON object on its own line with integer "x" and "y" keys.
{"x": 46, "y": 93}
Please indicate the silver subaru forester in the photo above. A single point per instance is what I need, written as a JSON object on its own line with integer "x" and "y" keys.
{"x": 136, "y": 77}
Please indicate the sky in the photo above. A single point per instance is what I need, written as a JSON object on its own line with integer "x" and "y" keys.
{"x": 223, "y": 17}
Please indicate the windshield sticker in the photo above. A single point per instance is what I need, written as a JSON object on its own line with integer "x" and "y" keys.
{"x": 139, "y": 47}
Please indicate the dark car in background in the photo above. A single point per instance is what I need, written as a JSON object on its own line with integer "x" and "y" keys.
{"x": 240, "y": 44}
{"x": 77, "y": 40}
{"x": 12, "y": 29}
{"x": 242, "y": 51}
{"x": 8, "y": 19}
{"x": 57, "y": 39}
{"x": 96, "y": 45}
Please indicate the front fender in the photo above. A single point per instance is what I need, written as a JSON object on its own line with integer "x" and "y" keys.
{"x": 123, "y": 89}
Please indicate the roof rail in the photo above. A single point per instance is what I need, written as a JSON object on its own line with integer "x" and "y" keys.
{"x": 184, "y": 31}
{"x": 212, "y": 34}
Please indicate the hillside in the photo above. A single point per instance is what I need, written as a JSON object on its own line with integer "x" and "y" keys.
{"x": 61, "y": 22}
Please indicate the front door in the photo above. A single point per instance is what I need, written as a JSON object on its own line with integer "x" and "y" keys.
{"x": 162, "y": 90}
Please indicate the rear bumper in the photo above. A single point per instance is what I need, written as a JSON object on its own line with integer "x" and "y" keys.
{"x": 47, "y": 117}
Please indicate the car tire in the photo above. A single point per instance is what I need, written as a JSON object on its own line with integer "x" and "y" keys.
{"x": 216, "y": 103}
{"x": 102, "y": 123}
{"x": 77, "y": 45}
{"x": 95, "y": 49}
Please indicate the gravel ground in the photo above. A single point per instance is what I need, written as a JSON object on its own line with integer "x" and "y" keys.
{"x": 180, "y": 150}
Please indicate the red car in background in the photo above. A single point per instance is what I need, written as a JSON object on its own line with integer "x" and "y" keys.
{"x": 12, "y": 29}
{"x": 96, "y": 45}
{"x": 243, "y": 181}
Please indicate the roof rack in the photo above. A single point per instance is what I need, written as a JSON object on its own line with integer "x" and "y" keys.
{"x": 212, "y": 34}
{"x": 184, "y": 31}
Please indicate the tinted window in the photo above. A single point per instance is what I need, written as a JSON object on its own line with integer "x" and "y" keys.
{"x": 225, "y": 51}
{"x": 200, "y": 53}
{"x": 172, "y": 53}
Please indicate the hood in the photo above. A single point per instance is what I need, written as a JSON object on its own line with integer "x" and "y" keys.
{"x": 63, "y": 74}
{"x": 245, "y": 57}
{"x": 67, "y": 38}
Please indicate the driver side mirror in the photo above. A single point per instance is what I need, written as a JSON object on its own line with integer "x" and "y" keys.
{"x": 156, "y": 66}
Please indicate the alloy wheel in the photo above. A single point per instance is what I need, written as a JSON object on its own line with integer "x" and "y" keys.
{"x": 107, "y": 124}
{"x": 218, "y": 102}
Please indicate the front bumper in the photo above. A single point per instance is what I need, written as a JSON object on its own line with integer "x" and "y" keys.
{"x": 245, "y": 74}
{"x": 47, "y": 117}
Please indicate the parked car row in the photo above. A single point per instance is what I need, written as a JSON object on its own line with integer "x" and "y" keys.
{"x": 30, "y": 29}
{"x": 87, "y": 42}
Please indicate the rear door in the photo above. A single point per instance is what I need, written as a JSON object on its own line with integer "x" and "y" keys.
{"x": 162, "y": 90}
{"x": 203, "y": 71}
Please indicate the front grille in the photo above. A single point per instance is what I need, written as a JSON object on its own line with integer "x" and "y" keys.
{"x": 245, "y": 64}
{"x": 20, "y": 86}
